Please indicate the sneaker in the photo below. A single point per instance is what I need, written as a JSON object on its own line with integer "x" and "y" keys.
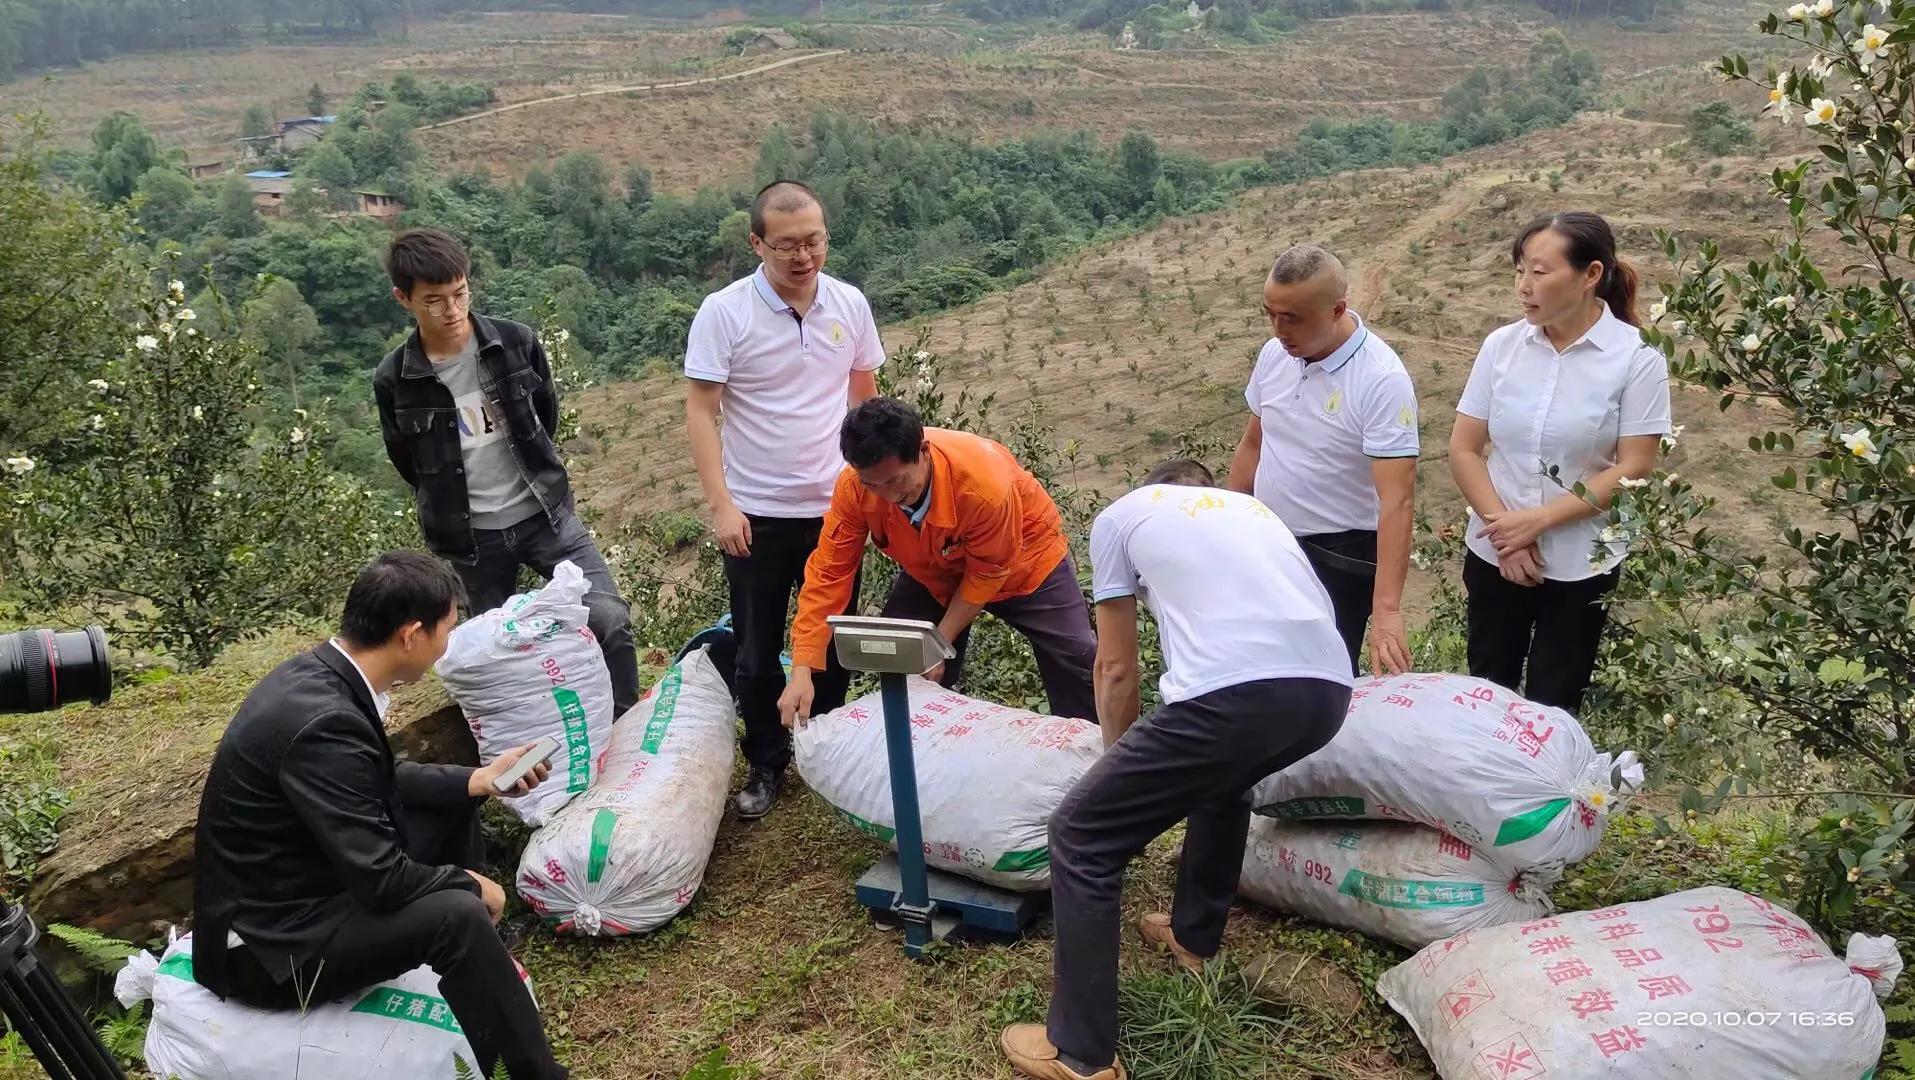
{"x": 1031, "y": 1053}
{"x": 762, "y": 787}
{"x": 1154, "y": 928}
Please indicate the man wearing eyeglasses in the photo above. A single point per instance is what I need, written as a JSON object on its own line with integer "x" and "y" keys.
{"x": 467, "y": 409}
{"x": 782, "y": 355}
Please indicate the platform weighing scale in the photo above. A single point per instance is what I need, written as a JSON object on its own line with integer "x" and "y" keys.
{"x": 930, "y": 905}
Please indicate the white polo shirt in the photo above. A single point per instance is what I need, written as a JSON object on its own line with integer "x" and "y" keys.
{"x": 1564, "y": 409}
{"x": 1322, "y": 423}
{"x": 1265, "y": 617}
{"x": 786, "y": 384}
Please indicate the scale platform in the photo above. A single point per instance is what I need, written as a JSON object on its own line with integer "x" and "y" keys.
{"x": 962, "y": 908}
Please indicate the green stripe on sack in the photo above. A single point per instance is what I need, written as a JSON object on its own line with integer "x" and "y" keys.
{"x": 390, "y": 1001}
{"x": 179, "y": 965}
{"x": 871, "y": 828}
{"x": 603, "y": 823}
{"x": 1524, "y": 826}
{"x": 663, "y": 711}
{"x": 578, "y": 744}
{"x": 1023, "y": 862}
{"x": 1332, "y": 806}
{"x": 1406, "y": 893}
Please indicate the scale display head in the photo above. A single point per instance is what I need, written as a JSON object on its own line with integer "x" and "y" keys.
{"x": 888, "y": 646}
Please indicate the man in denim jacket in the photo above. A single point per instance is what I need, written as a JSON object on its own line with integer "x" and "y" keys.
{"x": 467, "y": 409}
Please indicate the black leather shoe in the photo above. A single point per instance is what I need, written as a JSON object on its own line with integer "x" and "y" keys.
{"x": 762, "y": 787}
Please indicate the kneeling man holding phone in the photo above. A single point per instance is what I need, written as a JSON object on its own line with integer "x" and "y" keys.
{"x": 322, "y": 865}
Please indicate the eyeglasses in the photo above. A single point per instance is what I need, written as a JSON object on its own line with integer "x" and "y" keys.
{"x": 459, "y": 301}
{"x": 787, "y": 252}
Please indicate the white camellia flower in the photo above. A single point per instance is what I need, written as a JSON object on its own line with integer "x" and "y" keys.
{"x": 199, "y": 413}
{"x": 1751, "y": 343}
{"x": 1658, "y": 311}
{"x": 19, "y": 466}
{"x": 1798, "y": 12}
{"x": 185, "y": 314}
{"x": 1821, "y": 111}
{"x": 98, "y": 385}
{"x": 1860, "y": 443}
{"x": 301, "y": 413}
{"x": 1824, "y": 9}
{"x": 1610, "y": 535}
{"x": 176, "y": 287}
{"x": 95, "y": 422}
{"x": 564, "y": 335}
{"x": 1783, "y": 303}
{"x": 1779, "y": 96}
{"x": 1633, "y": 482}
{"x": 1871, "y": 46}
{"x": 1671, "y": 437}
{"x": 921, "y": 356}
{"x": 298, "y": 436}
{"x": 146, "y": 343}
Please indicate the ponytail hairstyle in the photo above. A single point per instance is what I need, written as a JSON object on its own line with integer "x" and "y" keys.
{"x": 1590, "y": 240}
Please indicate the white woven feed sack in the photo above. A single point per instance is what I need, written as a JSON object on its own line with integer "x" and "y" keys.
{"x": 1402, "y": 882}
{"x": 400, "y": 1027}
{"x": 1708, "y": 984}
{"x": 989, "y": 777}
{"x": 531, "y": 667}
{"x": 1517, "y": 781}
{"x": 630, "y": 853}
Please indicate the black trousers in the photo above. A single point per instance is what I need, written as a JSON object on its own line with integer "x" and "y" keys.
{"x": 1194, "y": 760}
{"x": 448, "y": 931}
{"x": 1346, "y": 564}
{"x": 1053, "y": 618}
{"x": 761, "y": 585}
{"x": 491, "y": 579}
{"x": 1553, "y": 629}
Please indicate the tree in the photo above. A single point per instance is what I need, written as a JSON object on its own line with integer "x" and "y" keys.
{"x": 1714, "y": 129}
{"x": 234, "y": 214}
{"x": 189, "y": 527}
{"x": 316, "y": 100}
{"x": 171, "y": 206}
{"x": 1138, "y": 159}
{"x": 123, "y": 150}
{"x": 281, "y": 325}
{"x": 65, "y": 276}
{"x": 255, "y": 122}
{"x": 328, "y": 167}
{"x": 1811, "y": 638}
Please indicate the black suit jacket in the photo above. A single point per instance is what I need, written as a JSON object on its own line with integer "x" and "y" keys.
{"x": 301, "y": 821}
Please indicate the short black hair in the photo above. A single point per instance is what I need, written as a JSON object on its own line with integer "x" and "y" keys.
{"x": 881, "y": 428}
{"x": 1185, "y": 471}
{"x": 426, "y": 256}
{"x": 395, "y": 589}
{"x": 784, "y": 196}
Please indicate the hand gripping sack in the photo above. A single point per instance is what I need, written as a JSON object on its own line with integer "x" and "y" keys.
{"x": 629, "y": 854}
{"x": 1708, "y": 984}
{"x": 1517, "y": 781}
{"x": 531, "y": 667}
{"x": 989, "y": 777}
{"x": 1402, "y": 882}
{"x": 400, "y": 1027}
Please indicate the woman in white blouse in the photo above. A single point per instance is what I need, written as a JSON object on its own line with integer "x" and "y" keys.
{"x": 1568, "y": 395}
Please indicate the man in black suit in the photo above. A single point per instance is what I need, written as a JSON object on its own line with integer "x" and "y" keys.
{"x": 323, "y": 866}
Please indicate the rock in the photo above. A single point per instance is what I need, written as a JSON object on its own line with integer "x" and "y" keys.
{"x": 1303, "y": 980}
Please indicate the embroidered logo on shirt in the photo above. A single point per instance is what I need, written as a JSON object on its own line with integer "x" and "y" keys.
{"x": 1334, "y": 404}
{"x": 1405, "y": 417}
{"x": 837, "y": 333}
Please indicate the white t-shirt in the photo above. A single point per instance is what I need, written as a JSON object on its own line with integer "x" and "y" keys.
{"x": 1566, "y": 410}
{"x": 1322, "y": 423}
{"x": 1234, "y": 598}
{"x": 786, "y": 387}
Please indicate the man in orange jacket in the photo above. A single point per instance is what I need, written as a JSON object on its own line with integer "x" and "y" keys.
{"x": 970, "y": 529}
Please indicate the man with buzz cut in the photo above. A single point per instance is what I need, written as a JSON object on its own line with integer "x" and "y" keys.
{"x": 1255, "y": 679}
{"x": 780, "y": 355}
{"x": 468, "y": 411}
{"x": 1331, "y": 447}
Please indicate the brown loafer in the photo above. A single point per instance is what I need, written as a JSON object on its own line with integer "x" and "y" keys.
{"x": 1032, "y": 1054}
{"x": 1154, "y": 928}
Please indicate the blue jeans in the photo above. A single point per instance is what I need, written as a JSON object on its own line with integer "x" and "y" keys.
{"x": 491, "y": 578}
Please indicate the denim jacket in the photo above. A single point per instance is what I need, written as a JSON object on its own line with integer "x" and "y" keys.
{"x": 421, "y": 429}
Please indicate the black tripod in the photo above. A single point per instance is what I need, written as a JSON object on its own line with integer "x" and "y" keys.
{"x": 36, "y": 1007}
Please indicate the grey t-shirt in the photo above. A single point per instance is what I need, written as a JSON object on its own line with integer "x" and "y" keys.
{"x": 496, "y": 490}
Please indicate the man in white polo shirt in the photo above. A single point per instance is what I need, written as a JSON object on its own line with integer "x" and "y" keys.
{"x": 782, "y": 355}
{"x": 1255, "y": 680}
{"x": 1331, "y": 447}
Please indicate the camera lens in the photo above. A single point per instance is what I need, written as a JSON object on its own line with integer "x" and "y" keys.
{"x": 42, "y": 669}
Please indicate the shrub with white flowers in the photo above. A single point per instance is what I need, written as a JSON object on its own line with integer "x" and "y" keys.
{"x": 1813, "y": 638}
{"x": 189, "y": 523}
